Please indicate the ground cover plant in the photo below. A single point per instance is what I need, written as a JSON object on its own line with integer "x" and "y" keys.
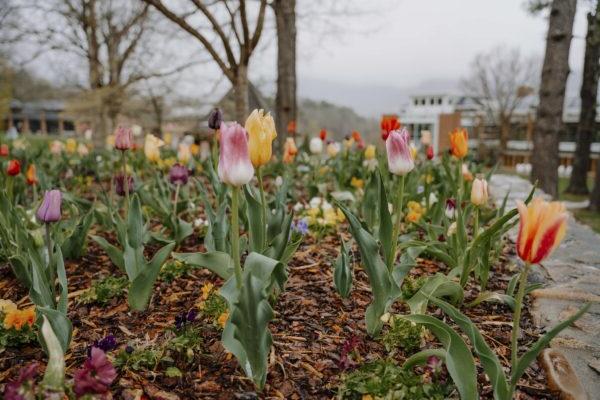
{"x": 345, "y": 270}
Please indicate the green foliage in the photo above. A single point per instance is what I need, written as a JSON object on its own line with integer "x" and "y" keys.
{"x": 172, "y": 270}
{"x": 383, "y": 379}
{"x": 104, "y": 290}
{"x": 15, "y": 338}
{"x": 412, "y": 285}
{"x": 214, "y": 306}
{"x": 173, "y": 372}
{"x": 342, "y": 274}
{"x": 404, "y": 335}
{"x": 138, "y": 359}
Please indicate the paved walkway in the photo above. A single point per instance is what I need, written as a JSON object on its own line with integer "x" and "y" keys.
{"x": 572, "y": 277}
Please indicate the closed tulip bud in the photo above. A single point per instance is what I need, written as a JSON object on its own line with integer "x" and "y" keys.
{"x": 289, "y": 151}
{"x": 120, "y": 184}
{"x": 450, "y": 209}
{"x": 429, "y": 153}
{"x": 152, "y": 146}
{"x": 14, "y": 168}
{"x": 31, "y": 175}
{"x": 261, "y": 133}
{"x": 356, "y": 136}
{"x": 215, "y": 118}
{"x": 333, "y": 148}
{"x": 541, "y": 229}
{"x": 426, "y": 138}
{"x": 459, "y": 142}
{"x": 348, "y": 142}
{"x": 4, "y": 150}
{"x": 50, "y": 210}
{"x": 123, "y": 138}
{"x": 323, "y": 134}
{"x": 235, "y": 167}
{"x": 184, "y": 154}
{"x": 178, "y": 175}
{"x": 370, "y": 152}
{"x": 316, "y": 145}
{"x": 479, "y": 192}
{"x": 399, "y": 154}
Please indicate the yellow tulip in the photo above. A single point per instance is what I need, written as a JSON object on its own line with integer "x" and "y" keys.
{"x": 370, "y": 152}
{"x": 261, "y": 133}
{"x": 71, "y": 146}
{"x": 152, "y": 146}
{"x": 184, "y": 154}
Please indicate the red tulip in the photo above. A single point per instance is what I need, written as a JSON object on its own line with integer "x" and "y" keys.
{"x": 4, "y": 150}
{"x": 388, "y": 124}
{"x": 14, "y": 168}
{"x": 323, "y": 134}
{"x": 430, "y": 152}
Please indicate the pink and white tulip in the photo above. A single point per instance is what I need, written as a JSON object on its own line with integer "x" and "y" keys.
{"x": 399, "y": 154}
{"x": 235, "y": 167}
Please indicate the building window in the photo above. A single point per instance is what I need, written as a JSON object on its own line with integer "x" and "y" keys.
{"x": 416, "y": 102}
{"x": 440, "y": 101}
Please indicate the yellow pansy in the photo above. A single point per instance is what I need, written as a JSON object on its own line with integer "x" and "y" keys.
{"x": 206, "y": 289}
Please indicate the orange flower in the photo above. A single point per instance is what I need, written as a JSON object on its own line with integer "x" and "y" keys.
{"x": 356, "y": 136}
{"x": 541, "y": 229}
{"x": 222, "y": 320}
{"x": 389, "y": 123}
{"x": 459, "y": 142}
{"x": 291, "y": 127}
{"x": 31, "y": 175}
{"x": 18, "y": 318}
{"x": 289, "y": 151}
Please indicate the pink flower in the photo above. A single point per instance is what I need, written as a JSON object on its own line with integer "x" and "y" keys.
{"x": 400, "y": 159}
{"x": 235, "y": 167}
{"x": 95, "y": 376}
{"x": 123, "y": 138}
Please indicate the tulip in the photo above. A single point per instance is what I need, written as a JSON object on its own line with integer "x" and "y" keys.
{"x": 333, "y": 148}
{"x": 82, "y": 150}
{"x": 429, "y": 153}
{"x": 360, "y": 145}
{"x": 261, "y": 133}
{"x": 479, "y": 192}
{"x": 426, "y": 138}
{"x": 291, "y": 127}
{"x": 71, "y": 146}
{"x": 178, "y": 175}
{"x": 348, "y": 142}
{"x": 204, "y": 150}
{"x": 4, "y": 150}
{"x": 50, "y": 211}
{"x": 152, "y": 146}
{"x": 459, "y": 142}
{"x": 14, "y": 168}
{"x": 56, "y": 147}
{"x": 120, "y": 187}
{"x": 168, "y": 138}
{"x": 389, "y": 124}
{"x": 466, "y": 174}
{"x": 289, "y": 151}
{"x": 400, "y": 159}
{"x": 123, "y": 138}
{"x": 323, "y": 134}
{"x": 542, "y": 227}
{"x": 450, "y": 209}
{"x": 184, "y": 154}
{"x": 370, "y": 152}
{"x": 31, "y": 175}
{"x": 356, "y": 136}
{"x": 316, "y": 145}
{"x": 215, "y": 118}
{"x": 235, "y": 167}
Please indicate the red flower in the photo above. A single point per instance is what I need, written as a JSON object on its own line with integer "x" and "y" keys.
{"x": 4, "y": 150}
{"x": 389, "y": 123}
{"x": 291, "y": 127}
{"x": 356, "y": 136}
{"x": 14, "y": 168}
{"x": 430, "y": 152}
{"x": 323, "y": 134}
{"x": 95, "y": 376}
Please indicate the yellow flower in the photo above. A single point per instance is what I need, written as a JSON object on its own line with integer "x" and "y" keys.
{"x": 413, "y": 216}
{"x": 370, "y": 152}
{"x": 7, "y": 306}
{"x": 71, "y": 146}
{"x": 222, "y": 320}
{"x": 428, "y": 178}
{"x": 414, "y": 206}
{"x": 169, "y": 162}
{"x": 152, "y": 146}
{"x": 367, "y": 397}
{"x": 340, "y": 215}
{"x": 357, "y": 183}
{"x": 184, "y": 154}
{"x": 313, "y": 212}
{"x": 413, "y": 151}
{"x": 17, "y": 319}
{"x": 330, "y": 217}
{"x": 194, "y": 149}
{"x": 168, "y": 138}
{"x": 206, "y": 289}
{"x": 110, "y": 141}
{"x": 459, "y": 142}
{"x": 261, "y": 133}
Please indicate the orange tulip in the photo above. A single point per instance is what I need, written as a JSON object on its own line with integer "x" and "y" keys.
{"x": 542, "y": 228}
{"x": 291, "y": 127}
{"x": 289, "y": 151}
{"x": 459, "y": 142}
{"x": 31, "y": 175}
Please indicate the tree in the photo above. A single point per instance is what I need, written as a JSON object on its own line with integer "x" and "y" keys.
{"x": 555, "y": 71}
{"x": 500, "y": 79}
{"x": 285, "y": 98}
{"x": 586, "y": 129}
{"x": 224, "y": 32}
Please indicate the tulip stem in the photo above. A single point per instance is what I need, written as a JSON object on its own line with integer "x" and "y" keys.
{"x": 49, "y": 249}
{"x": 396, "y": 230}
{"x": 125, "y": 181}
{"x": 214, "y": 151}
{"x": 175, "y": 201}
{"x": 263, "y": 211}
{"x": 517, "y": 315}
{"x": 235, "y": 235}
{"x": 459, "y": 181}
{"x": 9, "y": 188}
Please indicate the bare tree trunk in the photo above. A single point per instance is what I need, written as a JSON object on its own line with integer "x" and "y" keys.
{"x": 552, "y": 95}
{"x": 595, "y": 196}
{"x": 240, "y": 89}
{"x": 285, "y": 100}
{"x": 586, "y": 129}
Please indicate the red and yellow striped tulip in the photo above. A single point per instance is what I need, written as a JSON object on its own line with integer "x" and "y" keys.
{"x": 542, "y": 227}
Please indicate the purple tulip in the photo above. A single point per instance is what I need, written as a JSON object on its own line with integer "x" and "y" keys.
{"x": 120, "y": 184}
{"x": 95, "y": 376}
{"x": 123, "y": 138}
{"x": 50, "y": 211}
{"x": 235, "y": 167}
{"x": 178, "y": 174}
{"x": 215, "y": 119}
{"x": 400, "y": 159}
